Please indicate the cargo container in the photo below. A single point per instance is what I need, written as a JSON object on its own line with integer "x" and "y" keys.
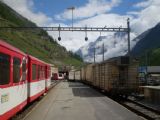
{"x": 117, "y": 75}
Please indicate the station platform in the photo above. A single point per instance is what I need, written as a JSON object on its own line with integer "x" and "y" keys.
{"x": 76, "y": 101}
{"x": 152, "y": 94}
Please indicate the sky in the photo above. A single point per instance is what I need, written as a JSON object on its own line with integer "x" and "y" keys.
{"x": 143, "y": 15}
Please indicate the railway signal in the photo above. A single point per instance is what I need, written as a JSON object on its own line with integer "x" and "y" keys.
{"x": 59, "y": 28}
{"x": 86, "y": 38}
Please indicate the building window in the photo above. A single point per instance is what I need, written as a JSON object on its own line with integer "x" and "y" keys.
{"x": 24, "y": 74}
{"x": 4, "y": 69}
{"x": 16, "y": 69}
{"x": 34, "y": 72}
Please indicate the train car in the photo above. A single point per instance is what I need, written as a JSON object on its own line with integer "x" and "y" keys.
{"x": 102, "y": 76}
{"x": 13, "y": 80}
{"x": 54, "y": 72}
{"x": 77, "y": 75}
{"x": 96, "y": 75}
{"x": 48, "y": 76}
{"x": 83, "y": 74}
{"x": 54, "y": 76}
{"x": 37, "y": 78}
{"x": 117, "y": 75}
{"x": 89, "y": 73}
{"x": 121, "y": 75}
{"x": 60, "y": 76}
{"x": 71, "y": 75}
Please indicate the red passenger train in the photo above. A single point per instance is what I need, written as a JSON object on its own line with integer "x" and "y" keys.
{"x": 23, "y": 78}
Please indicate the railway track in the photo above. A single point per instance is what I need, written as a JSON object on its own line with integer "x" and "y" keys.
{"x": 141, "y": 109}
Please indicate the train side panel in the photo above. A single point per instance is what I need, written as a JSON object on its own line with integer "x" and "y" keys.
{"x": 83, "y": 74}
{"x": 94, "y": 75}
{"x": 37, "y": 79}
{"x": 48, "y": 77}
{"x": 89, "y": 74}
{"x": 72, "y": 75}
{"x": 102, "y": 76}
{"x": 111, "y": 77}
{"x": 77, "y": 75}
{"x": 97, "y": 76}
{"x": 133, "y": 76}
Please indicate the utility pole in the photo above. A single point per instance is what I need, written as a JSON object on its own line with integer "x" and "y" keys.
{"x": 94, "y": 54}
{"x": 103, "y": 52}
{"x": 146, "y": 56}
{"x": 71, "y": 8}
{"x": 128, "y": 32}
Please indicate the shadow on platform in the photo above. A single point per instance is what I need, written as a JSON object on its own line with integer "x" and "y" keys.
{"x": 81, "y": 90}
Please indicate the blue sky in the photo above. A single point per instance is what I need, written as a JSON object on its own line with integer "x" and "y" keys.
{"x": 54, "y": 7}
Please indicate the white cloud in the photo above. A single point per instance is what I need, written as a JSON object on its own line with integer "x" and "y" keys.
{"x": 24, "y": 7}
{"x": 92, "y": 8}
{"x": 143, "y": 4}
{"x": 148, "y": 17}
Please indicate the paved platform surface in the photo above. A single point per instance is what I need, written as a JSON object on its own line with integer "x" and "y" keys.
{"x": 76, "y": 101}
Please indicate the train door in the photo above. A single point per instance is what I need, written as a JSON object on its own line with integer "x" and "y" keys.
{"x": 103, "y": 76}
{"x": 94, "y": 75}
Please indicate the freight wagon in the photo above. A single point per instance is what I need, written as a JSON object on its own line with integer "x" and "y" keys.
{"x": 75, "y": 75}
{"x": 117, "y": 75}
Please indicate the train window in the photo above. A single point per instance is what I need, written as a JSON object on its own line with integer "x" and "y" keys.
{"x": 42, "y": 72}
{"x": 34, "y": 72}
{"x": 24, "y": 69}
{"x": 4, "y": 69}
{"x": 39, "y": 72}
{"x": 16, "y": 69}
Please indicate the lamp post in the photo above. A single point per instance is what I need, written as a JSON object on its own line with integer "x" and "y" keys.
{"x": 71, "y": 8}
{"x": 94, "y": 54}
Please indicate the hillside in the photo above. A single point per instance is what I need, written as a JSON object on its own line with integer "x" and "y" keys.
{"x": 148, "y": 47}
{"x": 147, "y": 41}
{"x": 114, "y": 45}
{"x": 35, "y": 42}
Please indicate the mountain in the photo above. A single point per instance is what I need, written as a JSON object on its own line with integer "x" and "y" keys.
{"x": 114, "y": 45}
{"x": 148, "y": 40}
{"x": 35, "y": 42}
{"x": 146, "y": 47}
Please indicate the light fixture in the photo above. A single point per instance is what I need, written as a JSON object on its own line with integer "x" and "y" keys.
{"x": 86, "y": 38}
{"x": 59, "y": 28}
